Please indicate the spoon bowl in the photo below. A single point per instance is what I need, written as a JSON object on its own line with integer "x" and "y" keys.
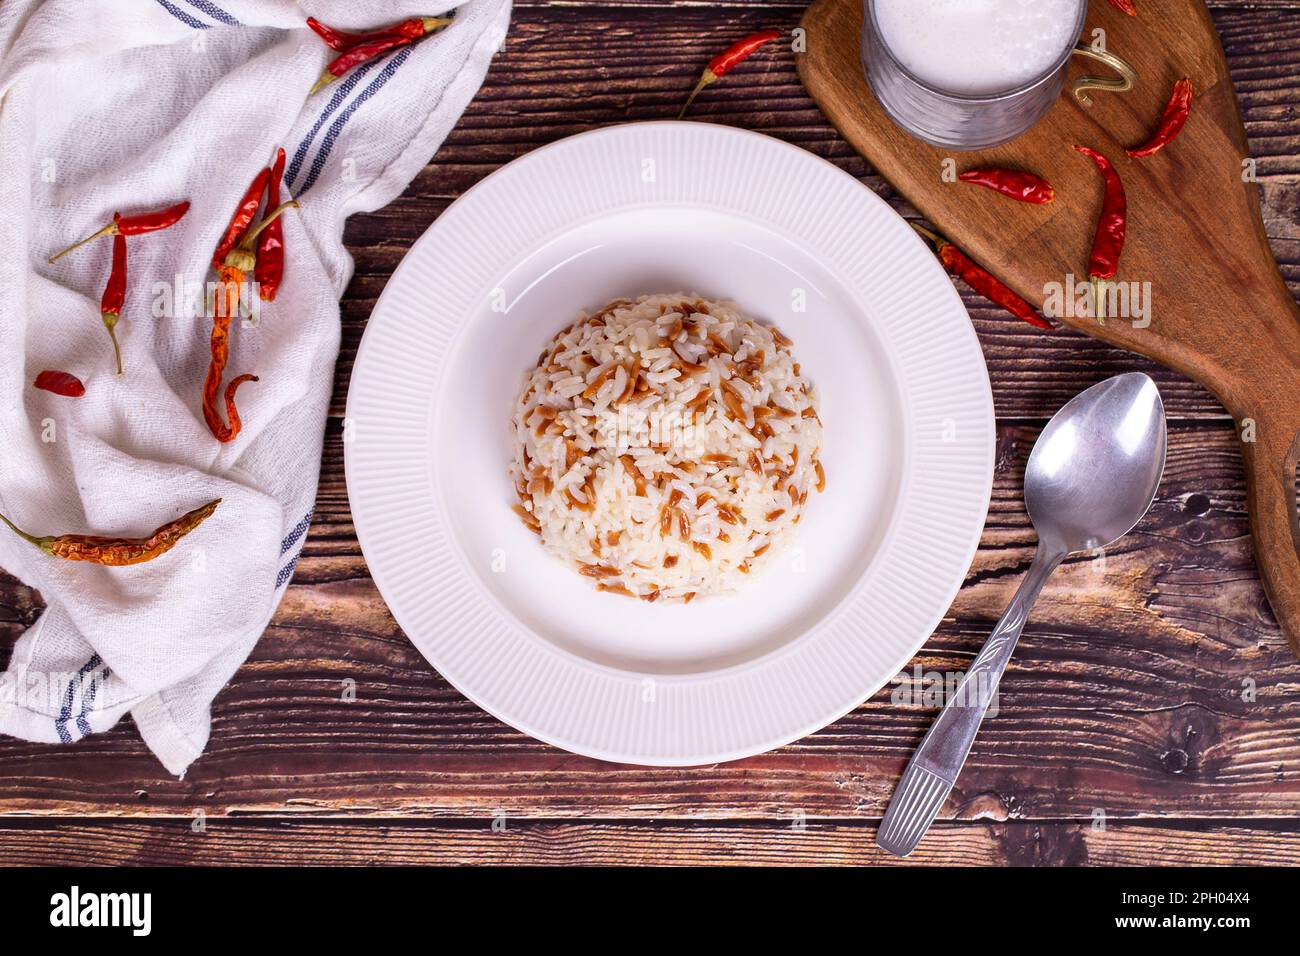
{"x": 1097, "y": 465}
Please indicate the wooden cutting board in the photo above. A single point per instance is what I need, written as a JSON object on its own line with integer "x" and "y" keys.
{"x": 1220, "y": 310}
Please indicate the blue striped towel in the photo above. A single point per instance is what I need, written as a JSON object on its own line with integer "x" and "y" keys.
{"x": 161, "y": 101}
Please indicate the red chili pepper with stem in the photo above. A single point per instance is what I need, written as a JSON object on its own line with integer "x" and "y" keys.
{"x": 1112, "y": 228}
{"x": 243, "y": 218}
{"x": 233, "y": 271}
{"x": 1172, "y": 121}
{"x": 727, "y": 60}
{"x": 270, "y": 246}
{"x": 60, "y": 383}
{"x": 369, "y": 49}
{"x": 355, "y": 57}
{"x": 133, "y": 226}
{"x": 118, "y": 552}
{"x": 957, "y": 264}
{"x": 342, "y": 41}
{"x": 1127, "y": 6}
{"x": 1026, "y": 187}
{"x": 110, "y": 306}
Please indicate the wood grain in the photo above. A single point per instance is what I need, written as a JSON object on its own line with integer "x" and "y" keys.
{"x": 1126, "y": 696}
{"x": 1130, "y": 678}
{"x": 475, "y": 842}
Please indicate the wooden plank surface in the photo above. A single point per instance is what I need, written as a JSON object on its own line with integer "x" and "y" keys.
{"x": 320, "y": 843}
{"x": 1152, "y": 686}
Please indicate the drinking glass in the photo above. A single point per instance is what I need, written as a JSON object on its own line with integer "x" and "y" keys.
{"x": 966, "y": 121}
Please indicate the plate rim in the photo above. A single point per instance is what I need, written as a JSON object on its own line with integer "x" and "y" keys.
{"x": 528, "y": 726}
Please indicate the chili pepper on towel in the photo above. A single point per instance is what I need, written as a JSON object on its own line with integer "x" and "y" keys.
{"x": 242, "y": 251}
{"x": 133, "y": 226}
{"x": 117, "y": 552}
{"x": 342, "y": 40}
{"x": 110, "y": 306}
{"x": 270, "y": 247}
{"x": 357, "y": 48}
{"x": 231, "y": 275}
{"x": 60, "y": 383}
{"x": 244, "y": 215}
{"x": 119, "y": 228}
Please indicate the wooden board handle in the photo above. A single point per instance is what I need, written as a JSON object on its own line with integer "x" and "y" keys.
{"x": 1274, "y": 520}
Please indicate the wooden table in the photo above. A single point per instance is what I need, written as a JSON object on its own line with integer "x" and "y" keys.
{"x": 1151, "y": 715}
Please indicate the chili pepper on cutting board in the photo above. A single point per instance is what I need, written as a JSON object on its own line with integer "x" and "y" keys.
{"x": 1014, "y": 183}
{"x": 958, "y": 264}
{"x": 1171, "y": 123}
{"x": 1112, "y": 228}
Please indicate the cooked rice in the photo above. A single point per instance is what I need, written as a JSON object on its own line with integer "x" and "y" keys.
{"x": 666, "y": 447}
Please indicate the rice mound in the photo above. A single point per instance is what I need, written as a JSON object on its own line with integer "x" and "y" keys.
{"x": 665, "y": 447}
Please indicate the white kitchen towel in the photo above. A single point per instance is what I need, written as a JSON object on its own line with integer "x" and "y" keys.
{"x": 130, "y": 106}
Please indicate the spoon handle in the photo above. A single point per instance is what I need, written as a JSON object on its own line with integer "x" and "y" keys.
{"x": 934, "y": 767}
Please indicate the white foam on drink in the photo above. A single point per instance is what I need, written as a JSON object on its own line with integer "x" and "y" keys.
{"x": 978, "y": 46}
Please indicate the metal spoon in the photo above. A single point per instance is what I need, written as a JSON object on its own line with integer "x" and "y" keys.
{"x": 1091, "y": 477}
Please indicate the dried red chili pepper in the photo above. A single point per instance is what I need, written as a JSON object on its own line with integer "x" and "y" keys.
{"x": 376, "y": 45}
{"x": 1112, "y": 228}
{"x": 60, "y": 383}
{"x": 1127, "y": 6}
{"x": 957, "y": 264}
{"x": 1172, "y": 121}
{"x": 355, "y": 57}
{"x": 133, "y": 226}
{"x": 245, "y": 213}
{"x": 270, "y": 247}
{"x": 1023, "y": 186}
{"x": 727, "y": 60}
{"x": 110, "y": 306}
{"x": 232, "y": 273}
{"x": 342, "y": 40}
{"x": 117, "y": 552}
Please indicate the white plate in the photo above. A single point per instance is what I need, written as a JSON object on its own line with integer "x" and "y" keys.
{"x": 665, "y": 207}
